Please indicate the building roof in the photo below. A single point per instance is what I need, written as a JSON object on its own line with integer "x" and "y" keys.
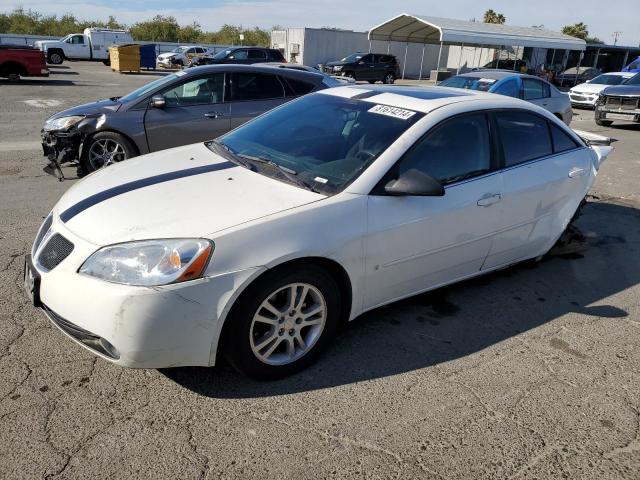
{"x": 423, "y": 29}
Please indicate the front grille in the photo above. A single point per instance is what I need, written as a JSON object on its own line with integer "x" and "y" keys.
{"x": 614, "y": 102}
{"x": 88, "y": 339}
{"x": 46, "y": 225}
{"x": 629, "y": 103}
{"x": 54, "y": 252}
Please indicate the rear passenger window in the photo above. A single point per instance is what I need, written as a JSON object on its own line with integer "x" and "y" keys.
{"x": 296, "y": 88}
{"x": 257, "y": 55}
{"x": 255, "y": 86}
{"x": 524, "y": 137}
{"x": 510, "y": 88}
{"x": 534, "y": 89}
{"x": 456, "y": 150}
{"x": 561, "y": 141}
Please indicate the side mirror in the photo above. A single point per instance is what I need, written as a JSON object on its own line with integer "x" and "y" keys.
{"x": 158, "y": 101}
{"x": 415, "y": 183}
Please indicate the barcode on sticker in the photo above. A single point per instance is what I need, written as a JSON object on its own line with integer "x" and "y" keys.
{"x": 394, "y": 112}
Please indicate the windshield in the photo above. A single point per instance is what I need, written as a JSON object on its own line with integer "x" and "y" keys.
{"x": 179, "y": 49}
{"x": 354, "y": 57}
{"x": 469, "y": 83}
{"x": 609, "y": 79}
{"x": 635, "y": 80}
{"x": 151, "y": 86}
{"x": 222, "y": 54}
{"x": 325, "y": 140}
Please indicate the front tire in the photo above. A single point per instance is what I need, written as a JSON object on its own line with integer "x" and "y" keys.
{"x": 104, "y": 149}
{"x": 350, "y": 75}
{"x": 282, "y": 322}
{"x": 603, "y": 123}
{"x": 55, "y": 57}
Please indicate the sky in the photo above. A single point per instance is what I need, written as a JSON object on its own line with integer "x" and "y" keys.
{"x": 602, "y": 18}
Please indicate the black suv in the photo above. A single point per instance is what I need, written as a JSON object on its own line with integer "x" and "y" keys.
{"x": 620, "y": 102}
{"x": 241, "y": 55}
{"x": 366, "y": 66}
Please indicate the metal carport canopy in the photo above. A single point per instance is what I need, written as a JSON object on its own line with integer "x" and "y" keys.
{"x": 422, "y": 29}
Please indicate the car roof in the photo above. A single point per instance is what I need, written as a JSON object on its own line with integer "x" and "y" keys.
{"x": 621, "y": 74}
{"x": 419, "y": 98}
{"x": 495, "y": 74}
{"x": 258, "y": 67}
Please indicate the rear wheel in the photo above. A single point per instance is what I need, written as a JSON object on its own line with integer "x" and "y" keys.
{"x": 282, "y": 322}
{"x": 104, "y": 149}
{"x": 389, "y": 78}
{"x": 55, "y": 57}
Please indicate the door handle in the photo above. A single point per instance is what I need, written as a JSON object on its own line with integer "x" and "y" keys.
{"x": 214, "y": 114}
{"x": 489, "y": 199}
{"x": 576, "y": 172}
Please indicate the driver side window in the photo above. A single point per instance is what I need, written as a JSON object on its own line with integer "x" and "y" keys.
{"x": 453, "y": 151}
{"x": 201, "y": 91}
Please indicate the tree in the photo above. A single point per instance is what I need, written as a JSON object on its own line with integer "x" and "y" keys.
{"x": 158, "y": 29}
{"x": 493, "y": 17}
{"x": 579, "y": 30}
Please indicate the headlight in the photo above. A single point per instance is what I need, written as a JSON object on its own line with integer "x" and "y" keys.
{"x": 337, "y": 69}
{"x": 61, "y": 123}
{"x": 150, "y": 262}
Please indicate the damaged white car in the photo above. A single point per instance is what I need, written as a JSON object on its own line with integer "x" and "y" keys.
{"x": 258, "y": 244}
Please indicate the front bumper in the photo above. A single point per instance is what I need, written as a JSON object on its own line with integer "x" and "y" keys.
{"x": 139, "y": 327}
{"x": 583, "y": 100}
{"x": 602, "y": 113}
{"x": 61, "y": 146}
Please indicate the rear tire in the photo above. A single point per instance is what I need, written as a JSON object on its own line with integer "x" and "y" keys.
{"x": 389, "y": 78}
{"x": 268, "y": 351}
{"x": 113, "y": 147}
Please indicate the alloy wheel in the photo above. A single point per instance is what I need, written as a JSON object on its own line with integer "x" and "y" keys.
{"x": 288, "y": 323}
{"x": 104, "y": 152}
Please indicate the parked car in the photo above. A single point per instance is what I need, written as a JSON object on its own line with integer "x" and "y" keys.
{"x": 305, "y": 68}
{"x": 619, "y": 103}
{"x": 505, "y": 64}
{"x": 21, "y": 61}
{"x": 569, "y": 75}
{"x": 241, "y": 55}
{"x": 586, "y": 94}
{"x": 366, "y": 66}
{"x": 182, "y": 56}
{"x": 185, "y": 107}
{"x": 92, "y": 44}
{"x": 633, "y": 67}
{"x": 517, "y": 85}
{"x": 257, "y": 245}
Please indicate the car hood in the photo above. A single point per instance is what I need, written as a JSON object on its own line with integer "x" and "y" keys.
{"x": 168, "y": 55}
{"x": 42, "y": 43}
{"x": 181, "y": 192}
{"x": 588, "y": 88}
{"x": 93, "y": 108}
{"x": 336, "y": 64}
{"x": 622, "y": 90}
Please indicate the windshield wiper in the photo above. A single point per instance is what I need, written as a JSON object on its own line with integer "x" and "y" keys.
{"x": 229, "y": 154}
{"x": 290, "y": 174}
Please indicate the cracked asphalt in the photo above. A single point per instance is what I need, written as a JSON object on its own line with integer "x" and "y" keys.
{"x": 528, "y": 373}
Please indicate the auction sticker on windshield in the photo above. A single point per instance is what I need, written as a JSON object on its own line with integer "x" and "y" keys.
{"x": 395, "y": 112}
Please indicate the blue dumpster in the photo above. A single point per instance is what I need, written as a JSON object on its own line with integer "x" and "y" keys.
{"x": 148, "y": 56}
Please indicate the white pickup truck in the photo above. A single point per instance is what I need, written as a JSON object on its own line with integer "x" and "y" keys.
{"x": 92, "y": 44}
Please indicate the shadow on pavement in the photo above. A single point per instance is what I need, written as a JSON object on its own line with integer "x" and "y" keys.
{"x": 463, "y": 319}
{"x": 37, "y": 81}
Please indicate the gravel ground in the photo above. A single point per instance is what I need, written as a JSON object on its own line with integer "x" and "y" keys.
{"x": 532, "y": 372}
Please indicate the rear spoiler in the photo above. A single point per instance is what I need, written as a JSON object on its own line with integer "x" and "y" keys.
{"x": 593, "y": 139}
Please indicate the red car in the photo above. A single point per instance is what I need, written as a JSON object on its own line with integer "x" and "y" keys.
{"x": 22, "y": 61}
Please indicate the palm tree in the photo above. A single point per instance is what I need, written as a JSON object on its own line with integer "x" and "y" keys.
{"x": 491, "y": 16}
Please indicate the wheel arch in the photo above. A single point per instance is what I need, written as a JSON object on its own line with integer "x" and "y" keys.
{"x": 89, "y": 136}
{"x": 334, "y": 268}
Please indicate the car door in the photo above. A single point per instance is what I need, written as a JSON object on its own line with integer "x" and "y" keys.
{"x": 366, "y": 68}
{"x": 194, "y": 111}
{"x": 416, "y": 243}
{"x": 240, "y": 56}
{"x": 536, "y": 91}
{"x": 251, "y": 94}
{"x": 77, "y": 47}
{"x": 544, "y": 178}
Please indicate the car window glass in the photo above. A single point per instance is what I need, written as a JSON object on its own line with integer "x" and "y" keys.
{"x": 453, "y": 151}
{"x": 238, "y": 55}
{"x": 385, "y": 59}
{"x": 77, "y": 39}
{"x": 534, "y": 89}
{"x": 561, "y": 140}
{"x": 203, "y": 90}
{"x": 524, "y": 137}
{"x": 257, "y": 54}
{"x": 367, "y": 59}
{"x": 255, "y": 86}
{"x": 297, "y": 87}
{"x": 510, "y": 88}
{"x": 190, "y": 50}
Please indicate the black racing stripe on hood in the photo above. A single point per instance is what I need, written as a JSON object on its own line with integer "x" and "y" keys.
{"x": 89, "y": 202}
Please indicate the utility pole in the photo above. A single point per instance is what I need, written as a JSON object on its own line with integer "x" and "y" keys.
{"x": 615, "y": 37}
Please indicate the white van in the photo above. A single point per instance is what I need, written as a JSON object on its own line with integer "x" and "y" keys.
{"x": 92, "y": 44}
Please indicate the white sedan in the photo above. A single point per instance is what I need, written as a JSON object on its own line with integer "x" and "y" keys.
{"x": 258, "y": 244}
{"x": 586, "y": 94}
